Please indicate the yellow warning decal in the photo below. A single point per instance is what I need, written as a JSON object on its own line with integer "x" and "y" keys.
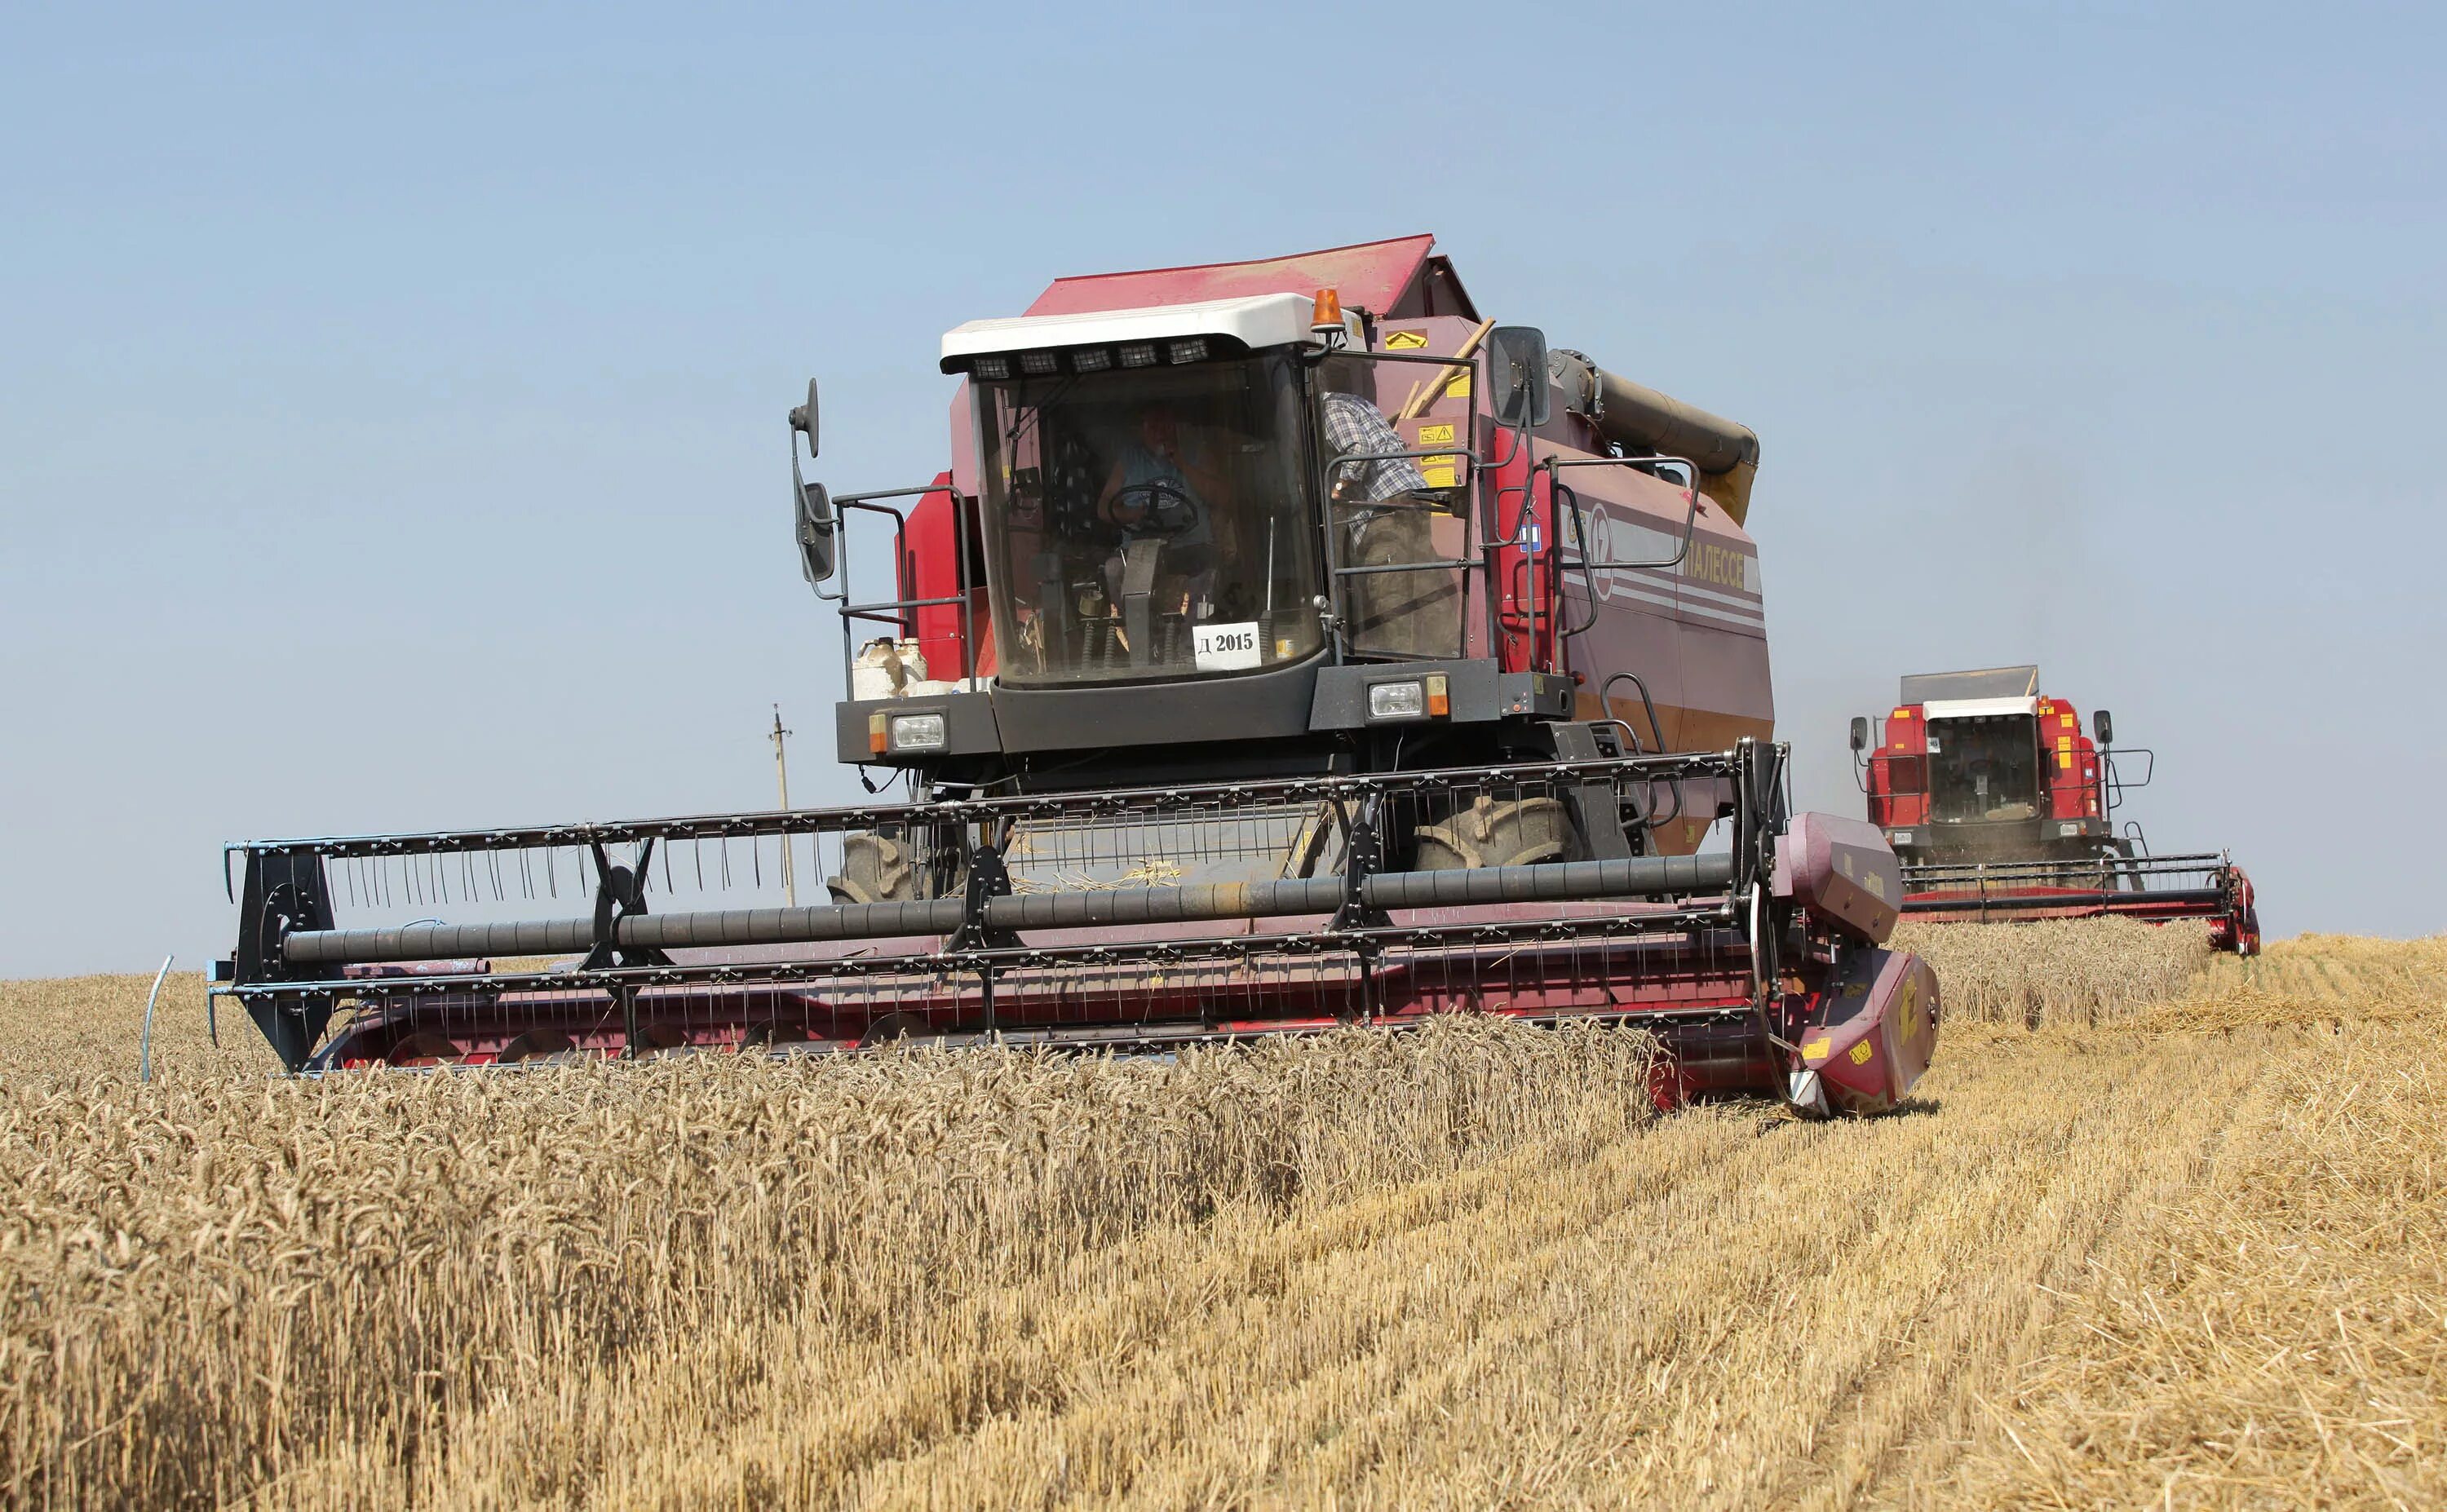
{"x": 1814, "y": 1050}
{"x": 1861, "y": 1053}
{"x": 1405, "y": 340}
{"x": 1459, "y": 387}
{"x": 1438, "y": 471}
{"x": 1876, "y": 884}
{"x": 1435, "y": 435}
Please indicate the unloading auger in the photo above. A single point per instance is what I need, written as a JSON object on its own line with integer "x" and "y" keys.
{"x": 1276, "y": 654}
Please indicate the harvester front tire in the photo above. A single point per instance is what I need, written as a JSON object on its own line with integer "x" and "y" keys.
{"x": 1515, "y": 832}
{"x": 875, "y": 869}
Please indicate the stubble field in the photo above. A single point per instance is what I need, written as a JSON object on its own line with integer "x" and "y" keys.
{"x": 2158, "y": 1229}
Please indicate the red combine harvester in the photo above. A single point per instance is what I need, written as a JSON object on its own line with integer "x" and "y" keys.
{"x": 1285, "y": 646}
{"x": 2002, "y": 809}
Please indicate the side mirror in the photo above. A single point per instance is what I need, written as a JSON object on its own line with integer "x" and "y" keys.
{"x": 2104, "y": 724}
{"x": 811, "y": 508}
{"x": 815, "y": 529}
{"x": 1516, "y": 374}
{"x": 1859, "y": 734}
{"x": 803, "y": 418}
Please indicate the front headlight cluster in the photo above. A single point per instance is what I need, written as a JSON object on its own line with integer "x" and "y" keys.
{"x": 1429, "y": 697}
{"x": 995, "y": 366}
{"x": 904, "y": 732}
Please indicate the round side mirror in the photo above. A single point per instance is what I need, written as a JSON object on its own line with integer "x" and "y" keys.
{"x": 803, "y": 418}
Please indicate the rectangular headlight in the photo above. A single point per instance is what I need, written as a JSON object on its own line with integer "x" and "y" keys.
{"x": 993, "y": 369}
{"x": 917, "y": 732}
{"x": 1397, "y": 700}
{"x": 1038, "y": 364}
{"x": 1194, "y": 349}
{"x": 1090, "y": 359}
{"x": 1138, "y": 355}
{"x": 1899, "y": 836}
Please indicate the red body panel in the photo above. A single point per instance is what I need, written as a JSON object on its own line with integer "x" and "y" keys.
{"x": 929, "y": 569}
{"x": 1372, "y": 276}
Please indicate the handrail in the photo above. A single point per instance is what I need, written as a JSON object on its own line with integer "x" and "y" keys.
{"x": 880, "y": 609}
{"x": 1336, "y": 572}
{"x": 1555, "y": 467}
{"x": 1335, "y": 608}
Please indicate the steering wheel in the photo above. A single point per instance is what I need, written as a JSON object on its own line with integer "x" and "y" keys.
{"x": 1159, "y": 508}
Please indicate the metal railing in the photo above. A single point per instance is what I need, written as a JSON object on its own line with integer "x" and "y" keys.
{"x": 1342, "y": 609}
{"x": 903, "y": 613}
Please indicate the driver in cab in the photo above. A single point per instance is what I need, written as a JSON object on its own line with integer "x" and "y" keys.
{"x": 1158, "y": 488}
{"x": 1163, "y": 491}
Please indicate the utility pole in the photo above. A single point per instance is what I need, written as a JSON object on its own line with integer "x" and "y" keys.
{"x": 782, "y": 774}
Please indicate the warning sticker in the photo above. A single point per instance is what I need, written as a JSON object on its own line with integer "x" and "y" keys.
{"x": 1440, "y": 472}
{"x": 1814, "y": 1050}
{"x": 1405, "y": 340}
{"x": 1436, "y": 435}
{"x": 1861, "y": 1053}
{"x": 1459, "y": 387}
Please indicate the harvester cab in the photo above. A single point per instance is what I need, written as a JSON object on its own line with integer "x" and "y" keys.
{"x": 1284, "y": 645}
{"x": 2000, "y": 808}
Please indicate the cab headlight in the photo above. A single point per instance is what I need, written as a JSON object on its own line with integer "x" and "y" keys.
{"x": 1403, "y": 700}
{"x": 917, "y": 732}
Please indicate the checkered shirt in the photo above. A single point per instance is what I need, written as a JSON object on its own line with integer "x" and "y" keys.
{"x": 1355, "y": 426}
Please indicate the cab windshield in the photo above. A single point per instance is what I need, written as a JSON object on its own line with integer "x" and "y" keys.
{"x": 1149, "y": 523}
{"x": 1984, "y": 766}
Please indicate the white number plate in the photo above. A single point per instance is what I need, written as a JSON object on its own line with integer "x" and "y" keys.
{"x": 1227, "y": 648}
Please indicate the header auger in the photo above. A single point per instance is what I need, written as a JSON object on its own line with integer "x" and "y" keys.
{"x": 1285, "y": 646}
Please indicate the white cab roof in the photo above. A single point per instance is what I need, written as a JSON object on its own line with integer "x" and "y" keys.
{"x": 1259, "y": 320}
{"x": 1975, "y": 708}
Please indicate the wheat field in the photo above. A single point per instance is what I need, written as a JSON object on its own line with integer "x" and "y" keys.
{"x": 2157, "y": 1229}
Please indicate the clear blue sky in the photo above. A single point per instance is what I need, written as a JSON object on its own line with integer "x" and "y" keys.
{"x": 391, "y": 409}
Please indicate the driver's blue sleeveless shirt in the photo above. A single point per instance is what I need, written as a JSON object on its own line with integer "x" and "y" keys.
{"x": 1142, "y": 466}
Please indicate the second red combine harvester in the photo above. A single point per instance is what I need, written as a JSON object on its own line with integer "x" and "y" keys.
{"x": 2002, "y": 809}
{"x": 1285, "y": 646}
